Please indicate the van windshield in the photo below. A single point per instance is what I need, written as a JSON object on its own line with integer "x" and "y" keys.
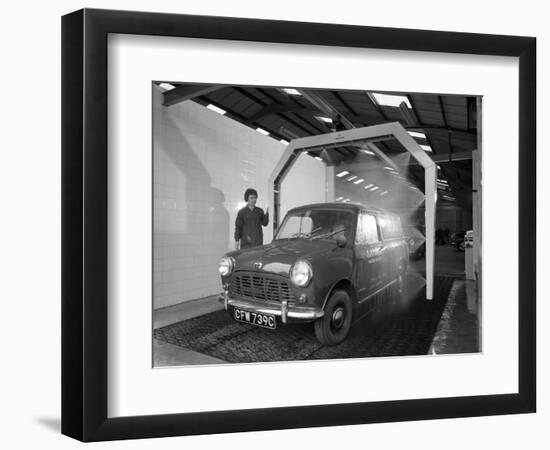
{"x": 316, "y": 224}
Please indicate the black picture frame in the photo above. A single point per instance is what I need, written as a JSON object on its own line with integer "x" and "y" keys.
{"x": 84, "y": 224}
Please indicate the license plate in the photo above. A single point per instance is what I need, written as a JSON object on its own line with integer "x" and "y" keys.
{"x": 262, "y": 320}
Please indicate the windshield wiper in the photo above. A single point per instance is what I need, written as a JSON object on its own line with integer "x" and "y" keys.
{"x": 305, "y": 235}
{"x": 326, "y": 235}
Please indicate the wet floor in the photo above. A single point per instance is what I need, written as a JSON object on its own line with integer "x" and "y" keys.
{"x": 459, "y": 329}
{"x": 198, "y": 332}
{"x": 448, "y": 262}
{"x": 408, "y": 331}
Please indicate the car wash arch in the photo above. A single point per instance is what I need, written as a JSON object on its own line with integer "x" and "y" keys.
{"x": 365, "y": 137}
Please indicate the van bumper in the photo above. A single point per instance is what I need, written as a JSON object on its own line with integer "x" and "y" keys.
{"x": 287, "y": 311}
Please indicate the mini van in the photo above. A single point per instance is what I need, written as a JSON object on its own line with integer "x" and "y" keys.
{"x": 329, "y": 263}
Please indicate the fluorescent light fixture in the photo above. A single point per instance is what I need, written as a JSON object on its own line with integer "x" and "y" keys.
{"x": 167, "y": 86}
{"x": 216, "y": 109}
{"x": 367, "y": 152}
{"x": 353, "y": 177}
{"x": 374, "y": 188}
{"x": 339, "y": 198}
{"x": 439, "y": 180}
{"x": 383, "y": 192}
{"x": 369, "y": 186}
{"x": 318, "y": 158}
{"x": 324, "y": 119}
{"x": 438, "y": 166}
{"x": 359, "y": 181}
{"x": 426, "y": 148}
{"x": 291, "y": 91}
{"x": 417, "y": 134}
{"x": 282, "y": 141}
{"x": 262, "y": 131}
{"x": 389, "y": 168}
{"x": 342, "y": 174}
{"x": 390, "y": 100}
{"x": 346, "y": 200}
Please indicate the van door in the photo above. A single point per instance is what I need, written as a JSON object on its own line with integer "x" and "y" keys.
{"x": 370, "y": 271}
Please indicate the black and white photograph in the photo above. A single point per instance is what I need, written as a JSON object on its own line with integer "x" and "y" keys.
{"x": 294, "y": 223}
{"x": 232, "y": 225}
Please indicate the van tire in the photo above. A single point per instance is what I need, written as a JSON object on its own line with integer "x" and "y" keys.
{"x": 334, "y": 326}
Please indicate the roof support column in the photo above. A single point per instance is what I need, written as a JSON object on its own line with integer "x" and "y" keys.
{"x": 430, "y": 190}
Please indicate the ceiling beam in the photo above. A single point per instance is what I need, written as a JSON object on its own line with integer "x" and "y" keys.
{"x": 302, "y": 118}
{"x": 275, "y": 108}
{"x": 445, "y": 123}
{"x": 325, "y": 107}
{"x": 204, "y": 101}
{"x": 449, "y": 157}
{"x": 442, "y": 110}
{"x": 440, "y": 128}
{"x": 252, "y": 97}
{"x": 188, "y": 92}
{"x": 412, "y": 101}
{"x": 340, "y": 98}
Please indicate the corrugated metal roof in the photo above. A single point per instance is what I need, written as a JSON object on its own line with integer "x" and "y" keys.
{"x": 446, "y": 120}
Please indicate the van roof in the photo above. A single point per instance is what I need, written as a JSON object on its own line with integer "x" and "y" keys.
{"x": 345, "y": 206}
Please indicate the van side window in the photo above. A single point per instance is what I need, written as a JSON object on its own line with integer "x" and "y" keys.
{"x": 391, "y": 227}
{"x": 367, "y": 231}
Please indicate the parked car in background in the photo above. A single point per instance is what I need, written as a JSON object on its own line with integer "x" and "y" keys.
{"x": 330, "y": 263}
{"x": 469, "y": 239}
{"x": 416, "y": 239}
{"x": 457, "y": 240}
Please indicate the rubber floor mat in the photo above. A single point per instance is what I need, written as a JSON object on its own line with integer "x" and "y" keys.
{"x": 407, "y": 333}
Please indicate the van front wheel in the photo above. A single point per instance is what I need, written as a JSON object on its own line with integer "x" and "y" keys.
{"x": 334, "y": 326}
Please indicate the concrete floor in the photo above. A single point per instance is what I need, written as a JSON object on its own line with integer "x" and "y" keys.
{"x": 458, "y": 330}
{"x": 169, "y": 355}
{"x": 186, "y": 310}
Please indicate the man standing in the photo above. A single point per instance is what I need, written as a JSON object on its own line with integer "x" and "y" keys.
{"x": 248, "y": 226}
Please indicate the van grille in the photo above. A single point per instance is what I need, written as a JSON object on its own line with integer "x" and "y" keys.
{"x": 260, "y": 287}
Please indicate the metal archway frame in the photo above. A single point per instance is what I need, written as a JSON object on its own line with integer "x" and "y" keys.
{"x": 393, "y": 130}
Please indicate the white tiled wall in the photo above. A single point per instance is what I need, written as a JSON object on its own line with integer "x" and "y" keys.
{"x": 202, "y": 164}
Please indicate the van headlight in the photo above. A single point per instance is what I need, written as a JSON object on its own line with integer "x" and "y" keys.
{"x": 301, "y": 273}
{"x": 226, "y": 266}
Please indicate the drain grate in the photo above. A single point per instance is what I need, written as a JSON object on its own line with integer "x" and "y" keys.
{"x": 406, "y": 333}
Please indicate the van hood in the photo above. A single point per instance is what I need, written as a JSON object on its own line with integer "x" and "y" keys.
{"x": 279, "y": 256}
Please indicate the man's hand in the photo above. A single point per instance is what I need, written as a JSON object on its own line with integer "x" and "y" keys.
{"x": 237, "y": 245}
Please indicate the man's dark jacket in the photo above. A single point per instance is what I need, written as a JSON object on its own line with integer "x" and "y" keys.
{"x": 248, "y": 226}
